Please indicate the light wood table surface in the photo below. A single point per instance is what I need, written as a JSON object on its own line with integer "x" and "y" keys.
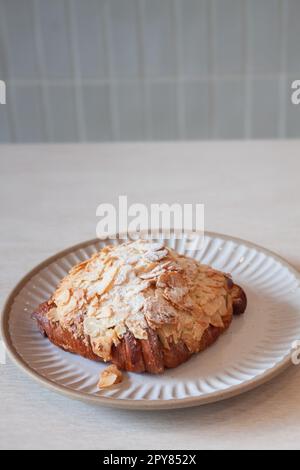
{"x": 48, "y": 198}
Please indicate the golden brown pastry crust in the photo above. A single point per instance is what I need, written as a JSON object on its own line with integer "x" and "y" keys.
{"x": 132, "y": 354}
{"x": 60, "y": 336}
{"x": 179, "y": 308}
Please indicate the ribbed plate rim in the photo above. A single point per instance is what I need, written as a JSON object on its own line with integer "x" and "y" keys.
{"x": 141, "y": 404}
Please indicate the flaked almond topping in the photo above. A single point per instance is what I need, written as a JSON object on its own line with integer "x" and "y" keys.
{"x": 156, "y": 246}
{"x": 216, "y": 320}
{"x": 151, "y": 275}
{"x": 132, "y": 259}
{"x": 156, "y": 255}
{"x": 158, "y": 311}
{"x": 145, "y": 267}
{"x": 122, "y": 275}
{"x": 63, "y": 296}
{"x": 171, "y": 279}
{"x": 172, "y": 266}
{"x": 99, "y": 287}
{"x": 79, "y": 267}
{"x": 176, "y": 294}
{"x": 138, "y": 285}
{"x": 106, "y": 312}
{"x": 157, "y": 271}
{"x": 53, "y": 314}
{"x": 211, "y": 308}
{"x": 120, "y": 330}
{"x": 110, "y": 376}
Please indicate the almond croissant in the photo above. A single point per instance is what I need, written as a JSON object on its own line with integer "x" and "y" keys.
{"x": 141, "y": 306}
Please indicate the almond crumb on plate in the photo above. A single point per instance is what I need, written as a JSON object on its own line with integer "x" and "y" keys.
{"x": 110, "y": 376}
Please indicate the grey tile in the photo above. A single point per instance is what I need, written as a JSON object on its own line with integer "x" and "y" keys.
{"x": 264, "y": 24}
{"x": 131, "y": 111}
{"x": 5, "y": 135}
{"x": 194, "y": 20}
{"x": 228, "y": 37}
{"x": 28, "y": 115}
{"x": 124, "y": 38}
{"x": 265, "y": 108}
{"x": 91, "y": 39}
{"x": 293, "y": 35}
{"x": 4, "y": 50}
{"x": 3, "y": 91}
{"x": 292, "y": 111}
{"x": 21, "y": 55}
{"x": 3, "y": 68}
{"x": 229, "y": 109}
{"x": 163, "y": 111}
{"x": 159, "y": 38}
{"x": 197, "y": 97}
{"x": 62, "y": 113}
{"x": 54, "y": 18}
{"x": 97, "y": 115}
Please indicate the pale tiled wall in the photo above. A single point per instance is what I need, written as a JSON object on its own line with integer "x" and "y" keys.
{"x": 100, "y": 70}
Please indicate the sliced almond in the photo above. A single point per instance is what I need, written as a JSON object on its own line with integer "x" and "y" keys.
{"x": 120, "y": 330}
{"x": 216, "y": 320}
{"x": 110, "y": 376}
{"x": 53, "y": 314}
{"x": 100, "y": 287}
{"x": 132, "y": 259}
{"x": 62, "y": 296}
{"x": 122, "y": 275}
{"x": 155, "y": 273}
{"x": 156, "y": 246}
{"x": 211, "y": 308}
{"x": 79, "y": 267}
{"x": 156, "y": 255}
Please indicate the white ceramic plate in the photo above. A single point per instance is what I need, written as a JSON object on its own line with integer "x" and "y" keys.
{"x": 256, "y": 347}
